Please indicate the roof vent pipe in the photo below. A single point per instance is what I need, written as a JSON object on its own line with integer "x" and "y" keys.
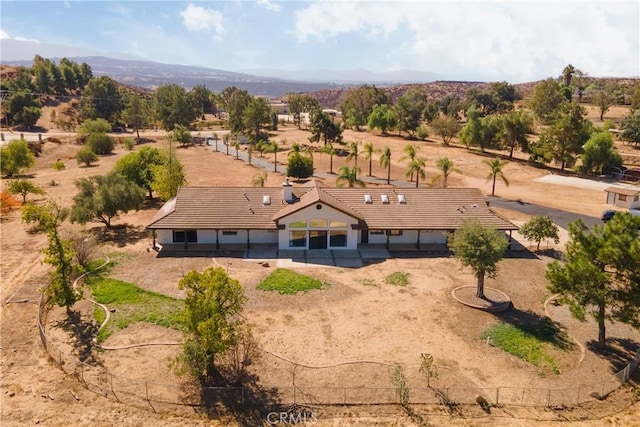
{"x": 287, "y": 191}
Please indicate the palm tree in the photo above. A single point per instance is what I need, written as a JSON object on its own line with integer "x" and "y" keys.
{"x": 417, "y": 166}
{"x": 411, "y": 151}
{"x": 350, "y": 176}
{"x": 295, "y": 149}
{"x": 236, "y": 146}
{"x": 368, "y": 154}
{"x": 496, "y": 171}
{"x": 446, "y": 168}
{"x": 353, "y": 152}
{"x": 328, "y": 149}
{"x": 259, "y": 179}
{"x": 385, "y": 161}
{"x": 274, "y": 148}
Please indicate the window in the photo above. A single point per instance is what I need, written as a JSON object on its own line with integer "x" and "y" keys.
{"x": 298, "y": 224}
{"x": 338, "y": 224}
{"x": 395, "y": 232}
{"x": 179, "y": 236}
{"x": 318, "y": 223}
{"x": 622, "y": 197}
{"x": 635, "y": 199}
{"x": 229, "y": 233}
{"x": 297, "y": 239}
{"x": 376, "y": 232}
{"x": 338, "y": 238}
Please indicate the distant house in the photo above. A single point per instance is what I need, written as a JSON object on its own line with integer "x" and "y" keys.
{"x": 318, "y": 217}
{"x": 628, "y": 198}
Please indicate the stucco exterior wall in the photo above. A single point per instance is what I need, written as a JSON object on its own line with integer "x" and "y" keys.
{"x": 630, "y": 202}
{"x": 209, "y": 237}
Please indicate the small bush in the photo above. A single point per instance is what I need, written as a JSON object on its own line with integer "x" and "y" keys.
{"x": 100, "y": 143}
{"x": 86, "y": 156}
{"x": 129, "y": 143}
{"x": 59, "y": 165}
{"x": 398, "y": 279}
{"x": 422, "y": 132}
{"x": 7, "y": 202}
{"x": 289, "y": 282}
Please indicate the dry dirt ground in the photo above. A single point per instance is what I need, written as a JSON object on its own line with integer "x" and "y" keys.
{"x": 357, "y": 317}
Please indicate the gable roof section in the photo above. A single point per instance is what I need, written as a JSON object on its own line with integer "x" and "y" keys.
{"x": 318, "y": 195}
{"x": 425, "y": 209}
{"x": 622, "y": 191}
{"x": 219, "y": 209}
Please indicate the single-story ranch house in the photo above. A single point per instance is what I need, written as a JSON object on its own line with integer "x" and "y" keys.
{"x": 313, "y": 216}
{"x": 623, "y": 197}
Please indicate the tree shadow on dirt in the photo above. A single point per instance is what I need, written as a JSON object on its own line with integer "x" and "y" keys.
{"x": 82, "y": 334}
{"x": 122, "y": 234}
{"x": 618, "y": 351}
{"x": 540, "y": 326}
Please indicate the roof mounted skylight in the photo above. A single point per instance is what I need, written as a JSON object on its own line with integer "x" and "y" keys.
{"x": 401, "y": 199}
{"x": 367, "y": 199}
{"x": 266, "y": 200}
{"x": 384, "y": 198}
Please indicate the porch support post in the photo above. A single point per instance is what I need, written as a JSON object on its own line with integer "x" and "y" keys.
{"x": 388, "y": 232}
{"x": 185, "y": 239}
{"x": 248, "y": 242}
{"x": 418, "y": 244}
{"x": 217, "y": 241}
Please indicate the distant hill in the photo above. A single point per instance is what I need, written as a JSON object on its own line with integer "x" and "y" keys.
{"x": 357, "y": 76}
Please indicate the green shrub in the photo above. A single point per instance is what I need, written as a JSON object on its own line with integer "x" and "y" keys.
{"x": 129, "y": 143}
{"x": 289, "y": 282}
{"x": 422, "y": 132}
{"x": 398, "y": 279}
{"x": 87, "y": 156}
{"x": 100, "y": 143}
{"x": 59, "y": 165}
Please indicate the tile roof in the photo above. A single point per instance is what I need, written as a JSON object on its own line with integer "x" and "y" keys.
{"x": 623, "y": 191}
{"x": 242, "y": 208}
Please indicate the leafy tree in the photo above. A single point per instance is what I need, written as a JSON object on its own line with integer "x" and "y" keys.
{"x": 482, "y": 101}
{"x": 91, "y": 126}
{"x": 539, "y": 228}
{"x": 301, "y": 103}
{"x": 446, "y": 127}
{"x": 446, "y": 167}
{"x": 24, "y": 187}
{"x": 408, "y": 110}
{"x": 514, "y": 127}
{"x": 59, "y": 253}
{"x": 358, "y": 102}
{"x": 213, "y": 302}
{"x": 503, "y": 96}
{"x": 299, "y": 166}
{"x": 411, "y": 151}
{"x": 604, "y": 99}
{"x": 546, "y": 100}
{"x": 256, "y": 117}
{"x": 100, "y": 143}
{"x": 328, "y": 149}
{"x": 417, "y": 166}
{"x": 103, "y": 197}
{"x": 137, "y": 167}
{"x": 368, "y": 151}
{"x": 568, "y": 134}
{"x": 168, "y": 176}
{"x": 567, "y": 74}
{"x": 599, "y": 154}
{"x": 23, "y": 108}
{"x": 86, "y": 156}
{"x": 323, "y": 128}
{"x": 181, "y": 135}
{"x": 173, "y": 106}
{"x": 237, "y": 104}
{"x": 480, "y": 248}
{"x": 496, "y": 166}
{"x": 15, "y": 157}
{"x": 43, "y": 80}
{"x": 200, "y": 98}
{"x": 382, "y": 117}
{"x": 137, "y": 113}
{"x": 479, "y": 131}
{"x": 601, "y": 273}
{"x": 385, "y": 161}
{"x": 635, "y": 99}
{"x": 101, "y": 99}
{"x": 631, "y": 128}
{"x": 349, "y": 176}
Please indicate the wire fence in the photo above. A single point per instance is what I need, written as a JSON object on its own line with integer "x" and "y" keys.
{"x": 369, "y": 384}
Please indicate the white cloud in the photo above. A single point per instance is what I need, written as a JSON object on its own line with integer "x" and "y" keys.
{"x": 197, "y": 18}
{"x": 269, "y": 6}
{"x": 25, "y": 39}
{"x": 3, "y": 34}
{"x": 520, "y": 41}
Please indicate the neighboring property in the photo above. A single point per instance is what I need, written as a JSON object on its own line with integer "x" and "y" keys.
{"x": 628, "y": 198}
{"x": 318, "y": 217}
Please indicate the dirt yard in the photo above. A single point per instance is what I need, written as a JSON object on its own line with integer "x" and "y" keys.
{"x": 357, "y": 317}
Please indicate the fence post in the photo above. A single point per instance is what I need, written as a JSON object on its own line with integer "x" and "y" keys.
{"x": 497, "y": 395}
{"x": 548, "y": 397}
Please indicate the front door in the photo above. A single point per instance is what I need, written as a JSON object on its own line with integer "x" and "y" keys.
{"x": 317, "y": 239}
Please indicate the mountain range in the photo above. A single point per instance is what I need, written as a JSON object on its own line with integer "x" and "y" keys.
{"x": 137, "y": 71}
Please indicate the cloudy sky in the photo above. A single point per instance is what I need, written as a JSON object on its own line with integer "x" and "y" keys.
{"x": 512, "y": 40}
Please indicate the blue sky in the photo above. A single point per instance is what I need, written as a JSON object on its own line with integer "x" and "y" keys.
{"x": 475, "y": 40}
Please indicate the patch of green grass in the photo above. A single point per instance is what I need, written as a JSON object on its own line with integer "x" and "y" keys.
{"x": 398, "y": 279}
{"x": 530, "y": 343}
{"x": 369, "y": 282}
{"x": 131, "y": 304}
{"x": 289, "y": 282}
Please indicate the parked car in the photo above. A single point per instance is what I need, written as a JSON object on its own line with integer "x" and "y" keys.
{"x": 608, "y": 214}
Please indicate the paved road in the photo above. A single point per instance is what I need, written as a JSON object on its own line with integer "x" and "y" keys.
{"x": 560, "y": 217}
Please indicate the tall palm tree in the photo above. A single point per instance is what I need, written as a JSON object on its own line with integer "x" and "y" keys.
{"x": 350, "y": 176}
{"x": 385, "y": 161}
{"x": 274, "y": 148}
{"x": 446, "y": 168}
{"x": 411, "y": 151}
{"x": 417, "y": 166}
{"x": 496, "y": 172}
{"x": 295, "y": 149}
{"x": 368, "y": 153}
{"x": 236, "y": 146}
{"x": 259, "y": 179}
{"x": 328, "y": 149}
{"x": 353, "y": 154}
